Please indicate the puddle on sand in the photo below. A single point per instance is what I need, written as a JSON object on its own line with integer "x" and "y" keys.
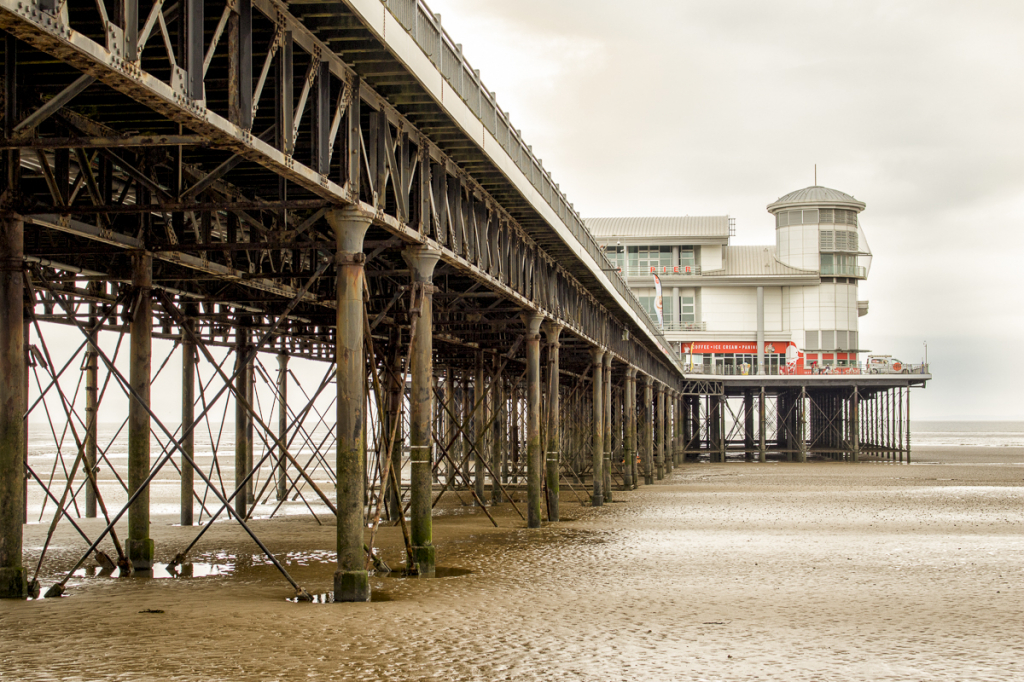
{"x": 159, "y": 571}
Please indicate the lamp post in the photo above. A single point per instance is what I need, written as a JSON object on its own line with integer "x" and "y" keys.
{"x": 926, "y": 355}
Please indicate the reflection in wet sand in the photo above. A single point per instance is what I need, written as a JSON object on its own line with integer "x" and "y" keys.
{"x": 739, "y": 571}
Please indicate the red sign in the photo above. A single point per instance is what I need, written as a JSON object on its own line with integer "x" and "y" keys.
{"x": 771, "y": 347}
{"x": 676, "y": 269}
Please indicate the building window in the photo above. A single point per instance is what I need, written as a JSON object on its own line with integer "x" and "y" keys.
{"x": 616, "y": 254}
{"x": 686, "y": 256}
{"x": 666, "y": 301}
{"x": 846, "y": 217}
{"x": 827, "y": 240}
{"x": 688, "y": 309}
{"x": 643, "y": 258}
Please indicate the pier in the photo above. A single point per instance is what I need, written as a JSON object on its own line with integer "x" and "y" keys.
{"x": 225, "y": 191}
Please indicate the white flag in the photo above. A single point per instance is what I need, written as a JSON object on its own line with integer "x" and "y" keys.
{"x": 659, "y": 306}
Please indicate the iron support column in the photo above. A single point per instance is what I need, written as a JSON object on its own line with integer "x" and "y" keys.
{"x": 596, "y": 357}
{"x": 533, "y": 444}
{"x": 13, "y": 393}
{"x": 351, "y": 581}
{"x": 188, "y": 401}
{"x": 629, "y": 436}
{"x": 282, "y": 426}
{"x": 687, "y": 427}
{"x": 498, "y": 433}
{"x": 855, "y": 426}
{"x": 479, "y": 421}
{"x": 242, "y": 500}
{"x": 91, "y": 417}
{"x": 648, "y": 430}
{"x": 748, "y": 424}
{"x": 660, "y": 433}
{"x": 668, "y": 431}
{"x": 606, "y": 405}
{"x": 762, "y": 449}
{"x": 421, "y": 261}
{"x": 801, "y": 424}
{"x": 139, "y": 544}
{"x": 396, "y": 394}
{"x": 250, "y": 397}
{"x": 552, "y": 456}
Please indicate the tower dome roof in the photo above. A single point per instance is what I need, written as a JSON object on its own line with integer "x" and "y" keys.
{"x": 817, "y": 196}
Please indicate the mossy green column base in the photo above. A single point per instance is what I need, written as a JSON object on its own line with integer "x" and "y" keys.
{"x": 351, "y": 586}
{"x": 13, "y": 583}
{"x": 425, "y": 558}
{"x": 140, "y": 553}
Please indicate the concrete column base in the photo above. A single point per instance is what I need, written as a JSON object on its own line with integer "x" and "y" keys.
{"x": 648, "y": 480}
{"x": 13, "y": 583}
{"x": 140, "y": 553}
{"x": 598, "y": 501}
{"x": 661, "y": 473}
{"x": 425, "y": 557}
{"x": 351, "y": 586}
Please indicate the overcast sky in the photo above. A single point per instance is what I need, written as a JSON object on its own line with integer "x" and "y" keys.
{"x": 722, "y": 106}
{"x": 672, "y": 107}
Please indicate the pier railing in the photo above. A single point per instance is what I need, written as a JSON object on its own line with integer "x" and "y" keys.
{"x": 425, "y": 28}
{"x": 796, "y": 369}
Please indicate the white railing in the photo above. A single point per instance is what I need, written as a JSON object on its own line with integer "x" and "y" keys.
{"x": 661, "y": 271}
{"x": 425, "y": 28}
{"x": 685, "y": 326}
{"x": 844, "y": 271}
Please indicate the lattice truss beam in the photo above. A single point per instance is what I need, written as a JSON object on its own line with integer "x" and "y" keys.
{"x": 215, "y": 135}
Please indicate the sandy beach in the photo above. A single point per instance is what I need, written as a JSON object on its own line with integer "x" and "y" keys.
{"x": 814, "y": 571}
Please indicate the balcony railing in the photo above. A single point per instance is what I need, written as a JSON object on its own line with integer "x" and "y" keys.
{"x": 425, "y": 28}
{"x": 685, "y": 326}
{"x": 844, "y": 271}
{"x": 662, "y": 271}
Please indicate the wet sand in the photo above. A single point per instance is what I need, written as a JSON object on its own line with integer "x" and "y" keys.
{"x": 813, "y": 571}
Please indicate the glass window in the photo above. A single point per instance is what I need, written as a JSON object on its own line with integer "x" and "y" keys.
{"x": 688, "y": 309}
{"x": 655, "y": 257}
{"x": 686, "y": 256}
{"x": 648, "y": 303}
{"x": 616, "y": 254}
{"x": 827, "y": 241}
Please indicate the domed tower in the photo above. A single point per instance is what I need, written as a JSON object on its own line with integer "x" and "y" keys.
{"x": 813, "y": 221}
{"x": 817, "y": 229}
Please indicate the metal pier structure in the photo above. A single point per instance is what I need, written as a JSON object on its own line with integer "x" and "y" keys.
{"x": 850, "y": 417}
{"x": 250, "y": 185}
